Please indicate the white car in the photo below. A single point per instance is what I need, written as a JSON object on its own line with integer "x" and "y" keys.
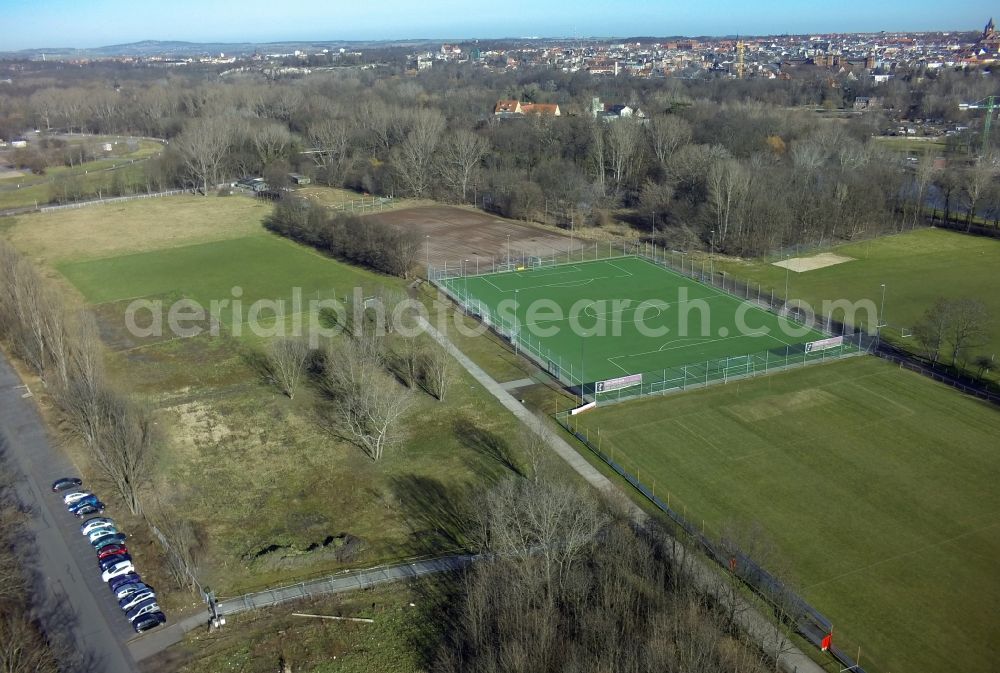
{"x": 100, "y": 532}
{"x": 70, "y": 498}
{"x": 91, "y": 526}
{"x": 134, "y": 601}
{"x": 117, "y": 570}
{"x": 134, "y": 614}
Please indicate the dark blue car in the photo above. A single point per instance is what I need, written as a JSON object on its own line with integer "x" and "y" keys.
{"x": 122, "y": 580}
{"x": 149, "y": 621}
{"x": 109, "y": 561}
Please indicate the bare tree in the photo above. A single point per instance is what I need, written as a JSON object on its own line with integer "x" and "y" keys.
{"x": 977, "y": 182}
{"x": 436, "y": 371}
{"x": 286, "y": 360}
{"x": 667, "y": 134}
{"x": 329, "y": 143}
{"x": 271, "y": 141}
{"x": 124, "y": 446}
{"x": 959, "y": 324}
{"x": 623, "y": 147}
{"x": 369, "y": 403}
{"x": 728, "y": 184}
{"x": 526, "y": 520}
{"x": 461, "y": 155}
{"x": 923, "y": 177}
{"x": 414, "y": 156}
{"x": 967, "y": 328}
{"x": 930, "y": 331}
{"x": 202, "y": 147}
{"x": 22, "y": 648}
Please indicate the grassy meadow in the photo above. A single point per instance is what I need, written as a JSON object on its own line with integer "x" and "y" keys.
{"x": 99, "y": 174}
{"x": 254, "y": 472}
{"x": 874, "y": 488}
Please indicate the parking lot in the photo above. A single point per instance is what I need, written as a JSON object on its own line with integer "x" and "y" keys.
{"x": 65, "y": 562}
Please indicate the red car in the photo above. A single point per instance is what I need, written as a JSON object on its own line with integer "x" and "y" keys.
{"x": 111, "y": 550}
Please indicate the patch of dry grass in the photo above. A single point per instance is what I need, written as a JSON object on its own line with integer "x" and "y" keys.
{"x": 135, "y": 226}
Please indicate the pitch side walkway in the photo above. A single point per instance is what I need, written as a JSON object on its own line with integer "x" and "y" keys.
{"x": 162, "y": 638}
{"x": 65, "y": 562}
{"x": 761, "y": 629}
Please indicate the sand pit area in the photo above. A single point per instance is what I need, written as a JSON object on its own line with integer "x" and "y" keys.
{"x": 820, "y": 261}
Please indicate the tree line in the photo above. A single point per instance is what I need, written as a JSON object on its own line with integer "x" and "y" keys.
{"x": 574, "y": 584}
{"x": 359, "y": 240}
{"x": 61, "y": 345}
{"x": 747, "y": 164}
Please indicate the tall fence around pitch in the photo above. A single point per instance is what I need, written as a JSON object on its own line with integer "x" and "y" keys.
{"x": 844, "y": 342}
{"x": 787, "y": 605}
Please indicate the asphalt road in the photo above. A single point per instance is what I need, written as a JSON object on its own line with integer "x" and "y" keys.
{"x": 65, "y": 561}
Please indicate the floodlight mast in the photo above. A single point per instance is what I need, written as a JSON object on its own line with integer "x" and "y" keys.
{"x": 989, "y": 104}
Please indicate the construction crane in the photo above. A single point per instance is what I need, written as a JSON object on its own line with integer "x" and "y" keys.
{"x": 741, "y": 64}
{"x": 989, "y": 104}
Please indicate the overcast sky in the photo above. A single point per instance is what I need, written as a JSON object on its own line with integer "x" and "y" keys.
{"x": 91, "y": 23}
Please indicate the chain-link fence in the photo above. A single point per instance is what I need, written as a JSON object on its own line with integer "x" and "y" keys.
{"x": 787, "y": 605}
{"x": 843, "y": 341}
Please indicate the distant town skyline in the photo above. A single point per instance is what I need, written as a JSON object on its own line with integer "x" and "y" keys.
{"x": 38, "y": 24}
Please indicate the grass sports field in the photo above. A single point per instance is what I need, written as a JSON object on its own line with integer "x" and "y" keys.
{"x": 876, "y": 488}
{"x": 262, "y": 266}
{"x": 916, "y": 267}
{"x": 605, "y": 319}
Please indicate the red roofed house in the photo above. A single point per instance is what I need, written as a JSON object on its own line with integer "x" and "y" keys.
{"x": 508, "y": 107}
{"x": 513, "y": 107}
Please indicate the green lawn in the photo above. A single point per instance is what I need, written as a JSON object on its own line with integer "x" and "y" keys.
{"x": 262, "y": 267}
{"x": 605, "y": 319}
{"x": 916, "y": 268}
{"x": 912, "y": 145}
{"x": 878, "y": 488}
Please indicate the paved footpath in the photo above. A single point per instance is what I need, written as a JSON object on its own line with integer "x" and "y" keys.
{"x": 756, "y": 625}
{"x": 65, "y": 562}
{"x": 351, "y": 580}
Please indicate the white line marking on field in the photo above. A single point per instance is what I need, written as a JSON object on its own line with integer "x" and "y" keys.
{"x": 493, "y": 284}
{"x": 612, "y": 361}
{"x": 700, "y": 341}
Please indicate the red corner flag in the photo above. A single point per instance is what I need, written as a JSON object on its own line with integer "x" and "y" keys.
{"x": 827, "y": 642}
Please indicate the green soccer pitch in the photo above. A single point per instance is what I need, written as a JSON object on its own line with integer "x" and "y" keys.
{"x": 606, "y": 319}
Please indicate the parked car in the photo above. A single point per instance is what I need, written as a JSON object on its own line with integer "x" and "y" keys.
{"x": 112, "y": 561}
{"x": 70, "y": 498}
{"x": 111, "y": 550}
{"x": 106, "y": 539}
{"x": 93, "y": 536}
{"x": 66, "y": 483}
{"x": 118, "y": 582}
{"x": 141, "y": 609}
{"x": 88, "y": 509}
{"x": 96, "y": 522}
{"x": 86, "y": 500}
{"x": 117, "y": 570}
{"x": 149, "y": 621}
{"x": 101, "y": 529}
{"x": 131, "y": 589}
{"x": 130, "y": 602}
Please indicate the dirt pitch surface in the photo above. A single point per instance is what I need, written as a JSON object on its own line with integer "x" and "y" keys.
{"x": 456, "y": 234}
{"x": 820, "y": 261}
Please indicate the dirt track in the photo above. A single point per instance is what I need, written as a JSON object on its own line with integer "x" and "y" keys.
{"x": 452, "y": 235}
